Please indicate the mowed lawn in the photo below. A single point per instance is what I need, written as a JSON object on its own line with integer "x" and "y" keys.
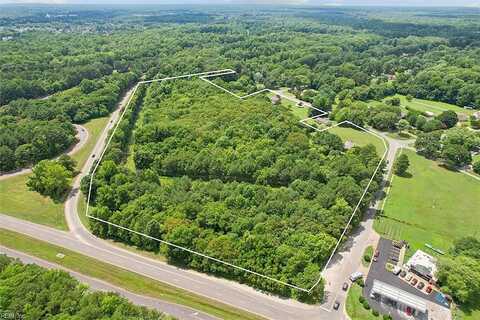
{"x": 130, "y": 281}
{"x": 19, "y": 202}
{"x": 359, "y": 138}
{"x": 434, "y": 206}
{"x": 354, "y": 308}
{"x": 432, "y": 106}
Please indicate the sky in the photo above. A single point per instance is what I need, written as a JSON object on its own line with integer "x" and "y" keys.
{"x": 430, "y": 3}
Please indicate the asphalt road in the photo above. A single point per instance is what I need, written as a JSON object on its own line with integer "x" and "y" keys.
{"x": 178, "y": 311}
{"x": 82, "y": 137}
{"x": 80, "y": 240}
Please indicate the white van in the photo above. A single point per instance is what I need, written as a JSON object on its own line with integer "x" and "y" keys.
{"x": 355, "y": 276}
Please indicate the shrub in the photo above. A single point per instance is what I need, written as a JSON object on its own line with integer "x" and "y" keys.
{"x": 476, "y": 167}
{"x": 366, "y": 305}
{"x": 361, "y": 282}
{"x": 361, "y": 299}
{"x": 367, "y": 258}
{"x": 387, "y": 317}
{"x": 375, "y": 313}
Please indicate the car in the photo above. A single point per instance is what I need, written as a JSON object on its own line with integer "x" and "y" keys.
{"x": 420, "y": 285}
{"x": 409, "y": 277}
{"x": 345, "y": 286}
{"x": 396, "y": 270}
{"x": 409, "y": 311}
{"x": 355, "y": 276}
{"x": 403, "y": 273}
{"x": 375, "y": 259}
{"x": 377, "y": 253}
{"x": 336, "y": 305}
{"x": 414, "y": 281}
{"x": 429, "y": 289}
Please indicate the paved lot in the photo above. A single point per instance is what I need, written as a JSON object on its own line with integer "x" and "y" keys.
{"x": 378, "y": 272}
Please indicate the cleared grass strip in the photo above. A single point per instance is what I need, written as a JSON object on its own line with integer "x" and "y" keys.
{"x": 120, "y": 277}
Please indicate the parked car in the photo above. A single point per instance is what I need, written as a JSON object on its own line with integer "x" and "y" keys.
{"x": 336, "y": 305}
{"x": 421, "y": 285}
{"x": 429, "y": 289}
{"x": 403, "y": 273}
{"x": 345, "y": 286}
{"x": 377, "y": 253}
{"x": 414, "y": 281}
{"x": 355, "y": 276}
{"x": 409, "y": 277}
{"x": 396, "y": 270}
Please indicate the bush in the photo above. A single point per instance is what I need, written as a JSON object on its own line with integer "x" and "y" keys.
{"x": 361, "y": 282}
{"x": 375, "y": 313}
{"x": 387, "y": 317}
{"x": 476, "y": 167}
{"x": 366, "y": 305}
{"x": 361, "y": 299}
{"x": 367, "y": 258}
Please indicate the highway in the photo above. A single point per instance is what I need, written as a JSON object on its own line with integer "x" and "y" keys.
{"x": 178, "y": 311}
{"x": 79, "y": 239}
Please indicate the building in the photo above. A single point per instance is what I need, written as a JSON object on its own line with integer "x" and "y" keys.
{"x": 406, "y": 302}
{"x": 423, "y": 265}
{"x": 275, "y": 99}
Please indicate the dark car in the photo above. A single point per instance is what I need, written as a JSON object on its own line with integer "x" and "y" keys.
{"x": 403, "y": 273}
{"x": 421, "y": 285}
{"x": 336, "y": 305}
{"x": 414, "y": 281}
{"x": 345, "y": 286}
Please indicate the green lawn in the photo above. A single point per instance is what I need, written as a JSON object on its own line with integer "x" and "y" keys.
{"x": 359, "y": 137}
{"x": 119, "y": 277}
{"x": 432, "y": 106}
{"x": 354, "y": 308}
{"x": 433, "y": 206}
{"x": 19, "y": 202}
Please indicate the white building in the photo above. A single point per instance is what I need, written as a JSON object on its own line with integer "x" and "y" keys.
{"x": 422, "y": 264}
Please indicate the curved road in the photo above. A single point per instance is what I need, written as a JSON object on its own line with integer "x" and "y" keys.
{"x": 81, "y": 240}
{"x": 82, "y": 137}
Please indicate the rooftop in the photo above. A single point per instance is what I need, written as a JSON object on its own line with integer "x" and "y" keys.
{"x": 400, "y": 296}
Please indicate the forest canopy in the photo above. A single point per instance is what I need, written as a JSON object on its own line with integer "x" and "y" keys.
{"x": 240, "y": 181}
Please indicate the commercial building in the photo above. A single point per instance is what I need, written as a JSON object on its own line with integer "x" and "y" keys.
{"x": 404, "y": 301}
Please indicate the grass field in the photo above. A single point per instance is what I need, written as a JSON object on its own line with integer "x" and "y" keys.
{"x": 119, "y": 277}
{"x": 354, "y": 308}
{"x": 433, "y": 206}
{"x": 359, "y": 138}
{"x": 432, "y": 106}
{"x": 19, "y": 202}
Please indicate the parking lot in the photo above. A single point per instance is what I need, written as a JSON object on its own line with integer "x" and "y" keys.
{"x": 379, "y": 272}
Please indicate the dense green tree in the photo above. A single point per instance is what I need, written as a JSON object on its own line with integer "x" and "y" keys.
{"x": 449, "y": 118}
{"x": 50, "y": 178}
{"x": 401, "y": 165}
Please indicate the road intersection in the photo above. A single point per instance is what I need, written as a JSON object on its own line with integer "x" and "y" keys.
{"x": 81, "y": 240}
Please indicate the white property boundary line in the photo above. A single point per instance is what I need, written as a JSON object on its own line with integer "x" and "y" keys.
{"x": 203, "y": 76}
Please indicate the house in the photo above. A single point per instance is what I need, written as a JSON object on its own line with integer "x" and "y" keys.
{"x": 423, "y": 265}
{"x": 275, "y": 99}
{"x": 348, "y": 144}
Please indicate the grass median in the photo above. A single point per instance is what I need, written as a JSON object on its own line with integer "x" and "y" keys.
{"x": 119, "y": 277}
